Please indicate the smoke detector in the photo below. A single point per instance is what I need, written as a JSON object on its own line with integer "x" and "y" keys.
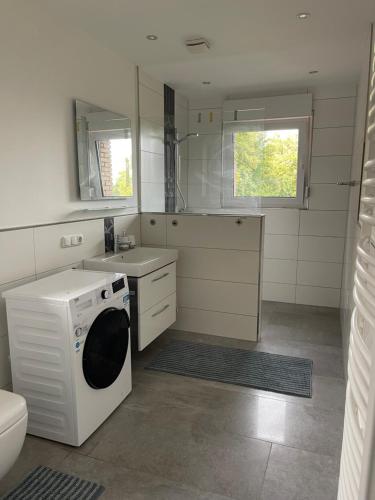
{"x": 197, "y": 45}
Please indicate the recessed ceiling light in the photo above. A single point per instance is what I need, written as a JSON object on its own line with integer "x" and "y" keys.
{"x": 313, "y": 72}
{"x": 151, "y": 37}
{"x": 303, "y": 15}
{"x": 206, "y": 83}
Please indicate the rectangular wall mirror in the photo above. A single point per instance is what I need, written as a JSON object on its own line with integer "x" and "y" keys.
{"x": 104, "y": 145}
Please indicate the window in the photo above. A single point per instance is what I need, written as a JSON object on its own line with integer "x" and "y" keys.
{"x": 114, "y": 158}
{"x": 111, "y": 154}
{"x": 265, "y": 163}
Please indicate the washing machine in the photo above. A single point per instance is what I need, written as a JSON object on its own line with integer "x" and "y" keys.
{"x": 69, "y": 337}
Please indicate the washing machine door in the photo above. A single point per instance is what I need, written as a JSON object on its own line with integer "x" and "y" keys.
{"x": 106, "y": 347}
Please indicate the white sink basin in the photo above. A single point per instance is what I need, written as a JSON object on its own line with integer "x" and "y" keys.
{"x": 136, "y": 262}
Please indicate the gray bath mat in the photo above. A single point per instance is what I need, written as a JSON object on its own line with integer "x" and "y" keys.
{"x": 44, "y": 483}
{"x": 261, "y": 370}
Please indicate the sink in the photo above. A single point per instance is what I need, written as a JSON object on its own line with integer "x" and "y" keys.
{"x": 136, "y": 262}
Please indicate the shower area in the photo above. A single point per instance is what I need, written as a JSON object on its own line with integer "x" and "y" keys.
{"x": 236, "y": 156}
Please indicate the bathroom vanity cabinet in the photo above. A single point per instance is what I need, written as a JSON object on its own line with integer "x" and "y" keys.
{"x": 151, "y": 274}
{"x": 152, "y": 305}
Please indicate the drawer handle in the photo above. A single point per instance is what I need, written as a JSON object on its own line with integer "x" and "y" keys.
{"x": 161, "y": 310}
{"x": 160, "y": 277}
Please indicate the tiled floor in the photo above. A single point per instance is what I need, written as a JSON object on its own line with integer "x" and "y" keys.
{"x": 178, "y": 438}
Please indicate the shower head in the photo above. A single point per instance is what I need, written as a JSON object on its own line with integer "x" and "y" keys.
{"x": 185, "y": 137}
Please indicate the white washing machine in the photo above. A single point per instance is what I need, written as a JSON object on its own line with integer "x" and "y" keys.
{"x": 69, "y": 338}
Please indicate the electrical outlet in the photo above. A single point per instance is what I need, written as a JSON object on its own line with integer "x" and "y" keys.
{"x": 76, "y": 239}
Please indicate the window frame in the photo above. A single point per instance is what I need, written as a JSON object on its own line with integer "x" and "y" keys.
{"x": 303, "y": 124}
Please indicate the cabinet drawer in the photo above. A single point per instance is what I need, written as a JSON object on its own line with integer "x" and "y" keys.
{"x": 156, "y": 320}
{"x": 156, "y": 286}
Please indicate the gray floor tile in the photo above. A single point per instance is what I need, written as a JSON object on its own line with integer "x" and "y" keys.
{"x": 182, "y": 438}
{"x": 327, "y": 360}
{"x": 122, "y": 483}
{"x": 188, "y": 447}
{"x": 305, "y": 427}
{"x": 299, "y": 475}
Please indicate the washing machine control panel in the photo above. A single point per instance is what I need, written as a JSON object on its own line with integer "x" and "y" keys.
{"x": 82, "y": 305}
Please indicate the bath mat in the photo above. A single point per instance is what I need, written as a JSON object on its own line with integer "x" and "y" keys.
{"x": 44, "y": 483}
{"x": 261, "y": 370}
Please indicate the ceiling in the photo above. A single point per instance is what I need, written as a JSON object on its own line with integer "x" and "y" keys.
{"x": 256, "y": 45}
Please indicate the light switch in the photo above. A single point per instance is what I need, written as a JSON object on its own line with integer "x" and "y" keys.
{"x": 66, "y": 241}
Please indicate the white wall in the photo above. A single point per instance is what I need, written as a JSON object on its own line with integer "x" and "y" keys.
{"x": 44, "y": 67}
{"x": 151, "y": 113}
{"x": 303, "y": 249}
{"x": 29, "y": 254}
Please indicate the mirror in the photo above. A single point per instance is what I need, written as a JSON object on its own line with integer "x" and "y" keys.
{"x": 104, "y": 145}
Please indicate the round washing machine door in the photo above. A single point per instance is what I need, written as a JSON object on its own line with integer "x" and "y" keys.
{"x": 106, "y": 347}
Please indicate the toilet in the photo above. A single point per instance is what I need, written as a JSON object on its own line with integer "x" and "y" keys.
{"x": 13, "y": 423}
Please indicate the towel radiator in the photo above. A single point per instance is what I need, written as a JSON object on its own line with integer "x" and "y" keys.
{"x": 357, "y": 469}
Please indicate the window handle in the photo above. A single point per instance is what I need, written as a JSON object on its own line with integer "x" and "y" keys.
{"x": 348, "y": 183}
{"x": 161, "y": 310}
{"x": 160, "y": 277}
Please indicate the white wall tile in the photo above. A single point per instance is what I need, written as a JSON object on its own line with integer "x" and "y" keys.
{"x": 214, "y": 232}
{"x": 332, "y": 141}
{"x": 321, "y": 274}
{"x": 236, "y": 326}
{"x": 182, "y": 172}
{"x": 3, "y": 288}
{"x": 334, "y": 112}
{"x": 330, "y": 169}
{"x": 152, "y": 137}
{"x": 222, "y": 265}
{"x": 317, "y": 296}
{"x": 205, "y": 147}
{"x": 48, "y": 251}
{"x": 321, "y": 248}
{"x": 205, "y": 195}
{"x": 220, "y": 296}
{"x": 334, "y": 91}
{"x": 181, "y": 101}
{"x": 150, "y": 82}
{"x": 204, "y": 172}
{"x": 152, "y": 167}
{"x": 17, "y": 254}
{"x": 279, "y": 292}
{"x": 328, "y": 197}
{"x": 280, "y": 246}
{"x": 205, "y": 121}
{"x": 154, "y": 229}
{"x": 181, "y": 124}
{"x": 130, "y": 224}
{"x": 275, "y": 271}
{"x": 281, "y": 220}
{"x": 151, "y": 105}
{"x": 322, "y": 223}
{"x": 153, "y": 196}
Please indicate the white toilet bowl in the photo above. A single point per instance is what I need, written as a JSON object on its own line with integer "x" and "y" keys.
{"x": 13, "y": 423}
